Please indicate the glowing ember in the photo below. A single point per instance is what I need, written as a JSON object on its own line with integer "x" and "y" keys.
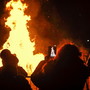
{"x": 19, "y": 40}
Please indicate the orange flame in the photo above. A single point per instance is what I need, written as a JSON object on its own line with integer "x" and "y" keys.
{"x": 19, "y": 40}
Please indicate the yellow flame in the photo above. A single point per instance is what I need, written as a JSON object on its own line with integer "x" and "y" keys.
{"x": 19, "y": 40}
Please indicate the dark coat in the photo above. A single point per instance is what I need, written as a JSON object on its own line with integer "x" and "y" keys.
{"x": 61, "y": 75}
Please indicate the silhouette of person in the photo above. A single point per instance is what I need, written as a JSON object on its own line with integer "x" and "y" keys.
{"x": 66, "y": 72}
{"x": 9, "y": 77}
{"x": 11, "y": 60}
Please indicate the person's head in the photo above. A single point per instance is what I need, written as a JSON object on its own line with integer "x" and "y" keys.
{"x": 8, "y": 58}
{"x": 9, "y": 62}
{"x": 68, "y": 51}
{"x": 5, "y": 55}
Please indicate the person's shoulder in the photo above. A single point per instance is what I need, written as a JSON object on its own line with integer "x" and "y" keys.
{"x": 21, "y": 71}
{"x": 20, "y": 68}
{"x": 51, "y": 62}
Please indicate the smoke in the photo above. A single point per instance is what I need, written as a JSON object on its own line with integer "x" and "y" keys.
{"x": 4, "y": 31}
{"x": 46, "y": 26}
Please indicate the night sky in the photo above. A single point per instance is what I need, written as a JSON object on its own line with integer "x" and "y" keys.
{"x": 75, "y": 15}
{"x": 54, "y": 20}
{"x": 73, "y": 18}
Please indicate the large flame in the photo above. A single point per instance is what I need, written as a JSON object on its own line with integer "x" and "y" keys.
{"x": 19, "y": 40}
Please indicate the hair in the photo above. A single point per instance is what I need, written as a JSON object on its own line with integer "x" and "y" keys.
{"x": 68, "y": 50}
{"x": 5, "y": 53}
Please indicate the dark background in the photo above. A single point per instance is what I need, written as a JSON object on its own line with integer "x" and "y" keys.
{"x": 75, "y": 18}
{"x": 76, "y": 15}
